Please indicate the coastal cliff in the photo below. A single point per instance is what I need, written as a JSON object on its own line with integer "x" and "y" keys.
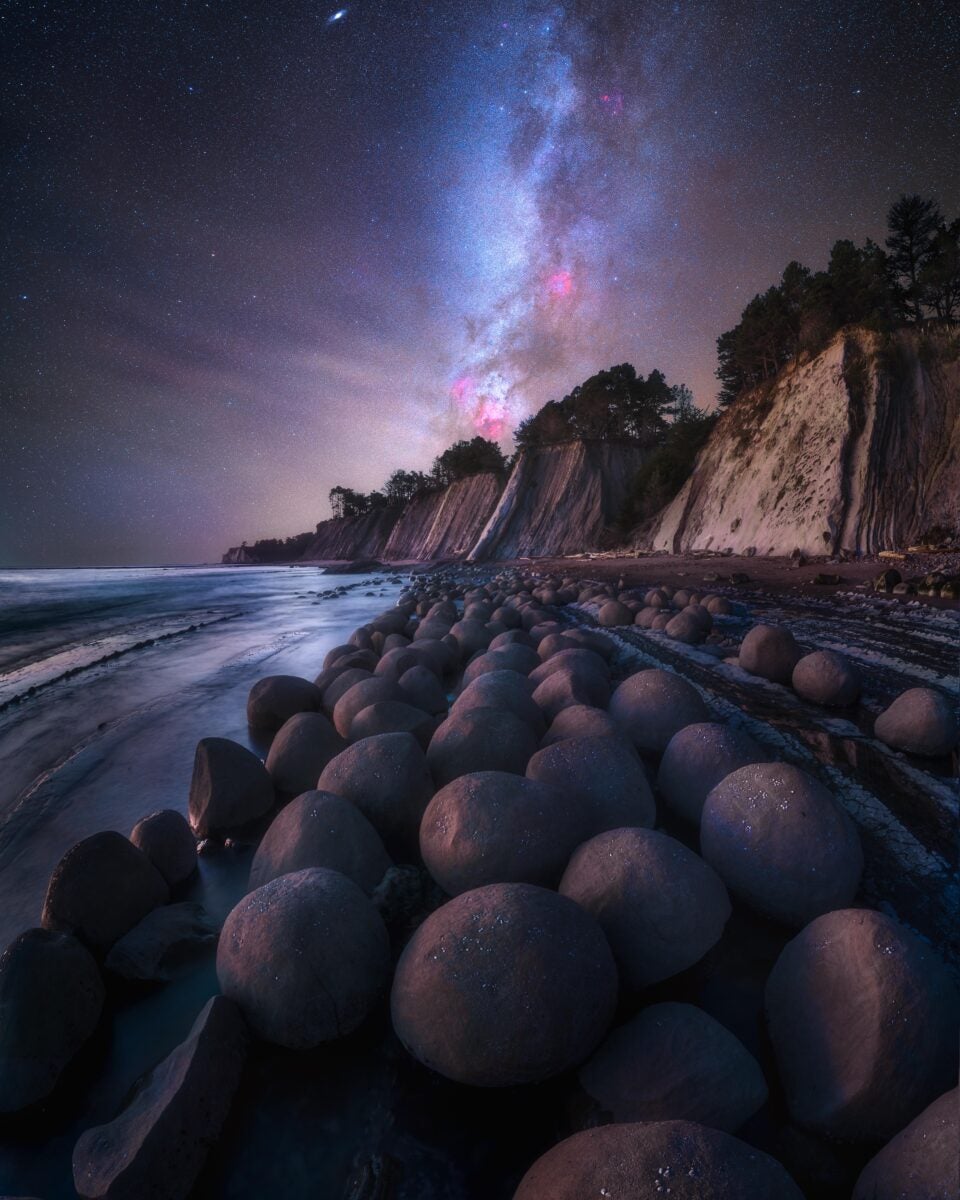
{"x": 559, "y": 499}
{"x": 446, "y": 524}
{"x": 857, "y": 449}
{"x": 345, "y": 538}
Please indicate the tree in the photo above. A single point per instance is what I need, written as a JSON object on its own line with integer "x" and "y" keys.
{"x": 464, "y": 458}
{"x": 913, "y": 223}
{"x": 939, "y": 277}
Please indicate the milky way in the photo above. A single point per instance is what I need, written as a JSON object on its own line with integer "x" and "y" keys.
{"x": 250, "y": 252}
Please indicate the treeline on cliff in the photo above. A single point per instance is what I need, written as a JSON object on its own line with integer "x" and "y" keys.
{"x": 459, "y": 461}
{"x": 912, "y": 279}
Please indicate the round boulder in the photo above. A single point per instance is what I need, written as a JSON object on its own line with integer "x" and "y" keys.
{"x": 480, "y": 739}
{"x": 613, "y": 614}
{"x": 51, "y": 997}
{"x": 686, "y": 628}
{"x": 660, "y": 905}
{"x": 341, "y": 685}
{"x": 645, "y": 1161}
{"x": 392, "y": 716}
{"x": 100, "y": 889}
{"x": 300, "y": 751}
{"x": 471, "y": 635}
{"x": 521, "y": 659}
{"x": 781, "y": 842}
{"x": 827, "y": 678}
{"x": 165, "y": 838}
{"x": 423, "y": 689}
{"x": 494, "y": 827}
{"x": 605, "y": 778}
{"x": 507, "y": 691}
{"x": 920, "y": 721}
{"x": 571, "y": 687}
{"x": 230, "y": 787}
{"x": 305, "y": 957}
{"x": 674, "y": 1062}
{"x": 697, "y": 759}
{"x": 863, "y": 1020}
{"x": 319, "y": 829}
{"x": 580, "y": 720}
{"x": 386, "y": 777}
{"x": 361, "y": 696}
{"x": 770, "y": 652}
{"x": 651, "y": 706}
{"x": 504, "y": 985}
{"x": 278, "y": 697}
{"x": 922, "y": 1161}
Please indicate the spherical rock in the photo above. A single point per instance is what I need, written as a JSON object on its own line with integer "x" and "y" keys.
{"x": 613, "y": 614}
{"x": 480, "y": 739}
{"x": 719, "y": 606}
{"x": 591, "y": 639}
{"x": 507, "y": 984}
{"x": 277, "y": 698}
{"x": 361, "y": 696}
{"x": 648, "y": 1160}
{"x": 660, "y": 905}
{"x": 340, "y": 686}
{"x": 51, "y": 997}
{"x": 386, "y": 777}
{"x": 781, "y": 842}
{"x": 514, "y": 637}
{"x": 578, "y": 659}
{"x": 101, "y": 888}
{"x": 697, "y": 759}
{"x": 603, "y": 775}
{"x": 828, "y": 678}
{"x": 920, "y": 721}
{"x": 661, "y": 621}
{"x": 521, "y": 659}
{"x": 393, "y": 664}
{"x": 442, "y": 659}
{"x": 863, "y": 1020}
{"x": 651, "y": 706}
{"x": 302, "y": 748}
{"x": 471, "y": 635}
{"x": 674, "y": 1062}
{"x": 571, "y": 687}
{"x": 685, "y": 627}
{"x": 320, "y": 829}
{"x": 392, "y": 716}
{"x": 770, "y": 652}
{"x": 423, "y": 689}
{"x": 922, "y": 1161}
{"x": 305, "y": 957}
{"x": 494, "y": 827}
{"x": 165, "y": 838}
{"x": 580, "y": 720}
{"x": 507, "y": 691}
{"x": 645, "y": 617}
{"x": 230, "y": 787}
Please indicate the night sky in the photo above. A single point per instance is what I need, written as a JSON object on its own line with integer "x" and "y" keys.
{"x": 250, "y": 251}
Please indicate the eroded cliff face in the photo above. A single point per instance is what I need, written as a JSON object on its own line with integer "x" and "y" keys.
{"x": 445, "y": 524}
{"x": 559, "y": 500}
{"x": 342, "y": 539}
{"x": 857, "y": 449}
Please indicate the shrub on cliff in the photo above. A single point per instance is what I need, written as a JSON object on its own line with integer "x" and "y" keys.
{"x": 667, "y": 469}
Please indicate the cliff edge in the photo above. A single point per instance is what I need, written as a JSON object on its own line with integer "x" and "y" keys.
{"x": 857, "y": 449}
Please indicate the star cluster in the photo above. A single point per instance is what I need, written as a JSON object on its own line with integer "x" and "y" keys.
{"x": 252, "y": 251}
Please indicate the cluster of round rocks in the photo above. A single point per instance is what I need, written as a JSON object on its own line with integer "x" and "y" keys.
{"x": 920, "y": 721}
{"x": 468, "y": 733}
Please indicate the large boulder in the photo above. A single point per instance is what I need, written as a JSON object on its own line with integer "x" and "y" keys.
{"x": 155, "y": 1148}
{"x": 660, "y": 905}
{"x": 674, "y": 1062}
{"x": 422, "y": 688}
{"x": 581, "y": 720}
{"x": 320, "y": 829}
{"x": 686, "y": 627}
{"x": 781, "y": 842}
{"x": 277, "y": 698}
{"x": 921, "y": 721}
{"x": 571, "y": 687}
{"x": 507, "y": 691}
{"x": 578, "y": 658}
{"x": 51, "y": 997}
{"x": 165, "y": 838}
{"x": 230, "y": 787}
{"x": 770, "y": 652}
{"x": 649, "y": 1160}
{"x": 651, "y": 706}
{"x": 340, "y": 686}
{"x": 387, "y": 778}
{"x": 361, "y": 696}
{"x": 471, "y": 636}
{"x": 507, "y": 984}
{"x": 922, "y": 1162}
{"x": 827, "y": 678}
{"x": 697, "y": 759}
{"x": 603, "y": 776}
{"x": 613, "y": 614}
{"x": 306, "y": 957}
{"x": 480, "y": 739}
{"x": 100, "y": 889}
{"x": 392, "y": 716}
{"x": 863, "y": 1020}
{"x": 167, "y": 942}
{"x": 495, "y": 827}
{"x": 300, "y": 751}
{"x": 521, "y": 659}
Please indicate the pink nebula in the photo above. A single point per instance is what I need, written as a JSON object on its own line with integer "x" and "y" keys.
{"x": 486, "y": 412}
{"x": 560, "y": 283}
{"x": 612, "y": 103}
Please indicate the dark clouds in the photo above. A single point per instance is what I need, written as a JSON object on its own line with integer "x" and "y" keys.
{"x": 249, "y": 254}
